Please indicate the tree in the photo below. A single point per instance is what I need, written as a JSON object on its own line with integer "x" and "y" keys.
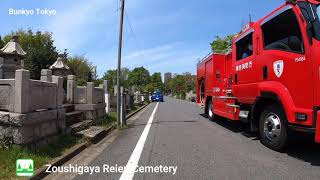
{"x": 82, "y": 69}
{"x": 150, "y": 88}
{"x": 139, "y": 77}
{"x": 41, "y": 53}
{"x": 222, "y": 45}
{"x": 1, "y": 43}
{"x": 155, "y": 83}
{"x": 190, "y": 81}
{"x": 178, "y": 85}
{"x": 111, "y": 76}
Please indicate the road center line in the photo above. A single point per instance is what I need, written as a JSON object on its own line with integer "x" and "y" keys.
{"x": 132, "y": 164}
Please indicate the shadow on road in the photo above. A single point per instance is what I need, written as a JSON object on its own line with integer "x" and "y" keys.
{"x": 301, "y": 145}
{"x": 236, "y": 127}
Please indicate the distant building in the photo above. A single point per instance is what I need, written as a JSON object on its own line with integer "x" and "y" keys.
{"x": 167, "y": 77}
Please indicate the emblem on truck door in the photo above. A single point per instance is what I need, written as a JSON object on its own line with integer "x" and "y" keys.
{"x": 278, "y": 68}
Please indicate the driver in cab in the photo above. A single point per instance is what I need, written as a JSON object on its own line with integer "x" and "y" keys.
{"x": 247, "y": 52}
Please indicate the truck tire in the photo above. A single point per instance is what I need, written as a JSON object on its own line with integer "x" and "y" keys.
{"x": 210, "y": 111}
{"x": 273, "y": 128}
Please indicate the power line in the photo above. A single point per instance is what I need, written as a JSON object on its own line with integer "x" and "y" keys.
{"x": 134, "y": 34}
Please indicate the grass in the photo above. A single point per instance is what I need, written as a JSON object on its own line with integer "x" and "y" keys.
{"x": 109, "y": 120}
{"x": 40, "y": 156}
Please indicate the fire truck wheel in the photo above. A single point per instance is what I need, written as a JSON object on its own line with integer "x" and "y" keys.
{"x": 210, "y": 111}
{"x": 273, "y": 129}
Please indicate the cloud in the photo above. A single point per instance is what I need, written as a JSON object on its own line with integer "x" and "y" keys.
{"x": 162, "y": 58}
{"x": 73, "y": 26}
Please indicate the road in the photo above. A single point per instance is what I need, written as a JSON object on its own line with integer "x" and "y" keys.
{"x": 181, "y": 136}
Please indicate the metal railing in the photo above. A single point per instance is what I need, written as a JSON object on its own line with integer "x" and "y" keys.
{"x": 213, "y": 52}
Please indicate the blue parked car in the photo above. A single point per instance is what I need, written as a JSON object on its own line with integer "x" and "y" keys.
{"x": 157, "y": 96}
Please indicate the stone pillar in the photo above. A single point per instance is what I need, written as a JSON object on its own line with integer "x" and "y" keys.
{"x": 1, "y": 71}
{"x": 115, "y": 91}
{"x": 122, "y": 107}
{"x": 71, "y": 85}
{"x": 131, "y": 96}
{"x": 46, "y": 75}
{"x": 21, "y": 98}
{"x": 106, "y": 96}
{"x": 59, "y": 81}
{"x": 90, "y": 93}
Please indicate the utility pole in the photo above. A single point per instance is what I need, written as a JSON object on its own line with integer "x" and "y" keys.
{"x": 119, "y": 65}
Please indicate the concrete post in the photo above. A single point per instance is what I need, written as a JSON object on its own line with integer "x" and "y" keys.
{"x": 1, "y": 71}
{"x": 106, "y": 96}
{"x": 21, "y": 98}
{"x": 122, "y": 107}
{"x": 115, "y": 91}
{"x": 90, "y": 93}
{"x": 22, "y": 64}
{"x": 59, "y": 81}
{"x": 71, "y": 85}
{"x": 46, "y": 75}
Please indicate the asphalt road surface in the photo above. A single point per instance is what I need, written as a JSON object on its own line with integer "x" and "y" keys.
{"x": 179, "y": 135}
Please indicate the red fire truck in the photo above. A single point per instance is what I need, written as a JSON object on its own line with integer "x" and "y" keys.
{"x": 271, "y": 77}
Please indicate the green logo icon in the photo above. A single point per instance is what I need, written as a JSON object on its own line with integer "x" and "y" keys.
{"x": 24, "y": 167}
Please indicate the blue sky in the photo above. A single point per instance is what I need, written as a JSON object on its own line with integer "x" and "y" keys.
{"x": 167, "y": 36}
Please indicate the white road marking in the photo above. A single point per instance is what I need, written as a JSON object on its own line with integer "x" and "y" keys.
{"x": 132, "y": 164}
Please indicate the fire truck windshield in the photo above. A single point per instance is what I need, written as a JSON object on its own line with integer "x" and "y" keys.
{"x": 311, "y": 13}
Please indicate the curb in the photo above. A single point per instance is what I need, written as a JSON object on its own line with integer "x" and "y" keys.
{"x": 41, "y": 173}
{"x": 136, "y": 111}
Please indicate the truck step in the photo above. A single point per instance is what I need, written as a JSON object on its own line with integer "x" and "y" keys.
{"x": 224, "y": 97}
{"x": 233, "y": 105}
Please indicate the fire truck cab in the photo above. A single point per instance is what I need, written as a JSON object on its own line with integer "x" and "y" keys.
{"x": 271, "y": 77}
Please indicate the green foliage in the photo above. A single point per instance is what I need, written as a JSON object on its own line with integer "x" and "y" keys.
{"x": 111, "y": 76}
{"x": 190, "y": 81}
{"x": 181, "y": 84}
{"x": 6, "y": 142}
{"x": 109, "y": 120}
{"x": 139, "y": 77}
{"x": 155, "y": 83}
{"x": 222, "y": 45}
{"x": 41, "y": 53}
{"x": 40, "y": 156}
{"x": 150, "y": 88}
{"x": 1, "y": 42}
{"x": 82, "y": 68}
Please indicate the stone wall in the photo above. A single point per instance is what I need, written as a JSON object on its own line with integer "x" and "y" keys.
{"x": 131, "y": 98}
{"x": 31, "y": 110}
{"x": 191, "y": 96}
{"x": 87, "y": 99}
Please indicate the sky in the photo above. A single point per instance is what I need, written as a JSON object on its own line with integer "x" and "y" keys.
{"x": 161, "y": 35}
